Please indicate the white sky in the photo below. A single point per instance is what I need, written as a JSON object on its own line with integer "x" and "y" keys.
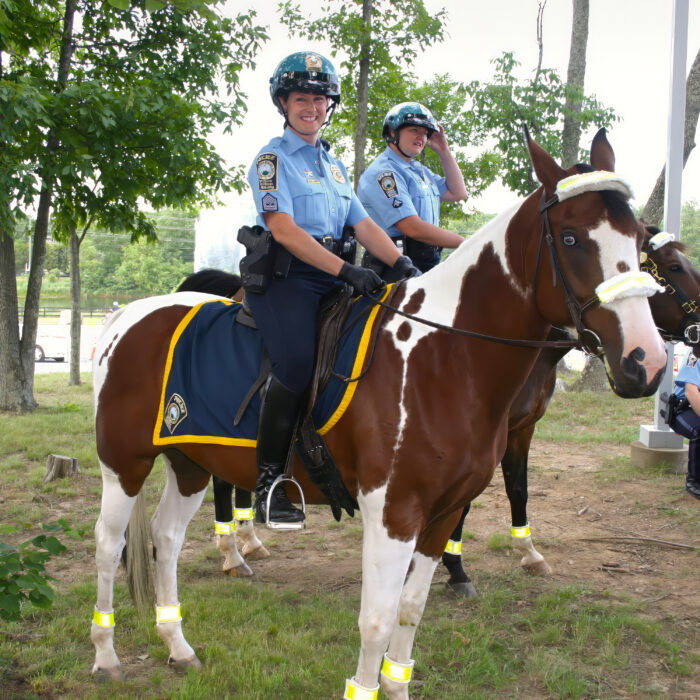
{"x": 627, "y": 68}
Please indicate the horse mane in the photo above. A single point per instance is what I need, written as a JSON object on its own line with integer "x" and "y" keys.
{"x": 211, "y": 281}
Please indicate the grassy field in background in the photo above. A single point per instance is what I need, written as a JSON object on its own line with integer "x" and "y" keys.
{"x": 262, "y": 640}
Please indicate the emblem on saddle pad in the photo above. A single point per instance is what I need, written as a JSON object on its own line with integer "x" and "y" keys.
{"x": 592, "y": 182}
{"x": 175, "y": 412}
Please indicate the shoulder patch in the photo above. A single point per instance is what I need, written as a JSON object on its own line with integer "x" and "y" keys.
{"x": 691, "y": 360}
{"x": 387, "y": 182}
{"x": 396, "y": 203}
{"x": 269, "y": 203}
{"x": 266, "y": 165}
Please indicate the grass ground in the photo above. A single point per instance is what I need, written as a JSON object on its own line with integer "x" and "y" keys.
{"x": 291, "y": 632}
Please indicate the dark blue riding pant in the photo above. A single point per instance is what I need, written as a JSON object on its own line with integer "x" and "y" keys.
{"x": 687, "y": 424}
{"x": 285, "y": 313}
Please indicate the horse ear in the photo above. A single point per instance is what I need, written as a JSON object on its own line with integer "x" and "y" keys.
{"x": 546, "y": 168}
{"x": 602, "y": 155}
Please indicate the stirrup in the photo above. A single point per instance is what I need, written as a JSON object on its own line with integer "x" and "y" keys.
{"x": 276, "y": 525}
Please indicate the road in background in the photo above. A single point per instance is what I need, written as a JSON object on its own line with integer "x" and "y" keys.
{"x": 88, "y": 337}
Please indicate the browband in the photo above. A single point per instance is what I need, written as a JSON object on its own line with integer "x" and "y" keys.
{"x": 592, "y": 182}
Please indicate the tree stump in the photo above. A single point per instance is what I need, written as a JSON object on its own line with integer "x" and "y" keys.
{"x": 593, "y": 377}
{"x": 58, "y": 466}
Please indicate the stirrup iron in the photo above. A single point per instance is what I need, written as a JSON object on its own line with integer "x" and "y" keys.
{"x": 276, "y": 525}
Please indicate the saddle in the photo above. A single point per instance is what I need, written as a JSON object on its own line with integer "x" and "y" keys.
{"x": 309, "y": 444}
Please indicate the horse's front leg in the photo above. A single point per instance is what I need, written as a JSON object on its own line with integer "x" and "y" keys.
{"x": 225, "y": 527}
{"x": 250, "y": 546}
{"x": 168, "y": 528}
{"x": 109, "y": 542}
{"x": 514, "y": 466}
{"x": 385, "y": 562}
{"x": 459, "y": 582}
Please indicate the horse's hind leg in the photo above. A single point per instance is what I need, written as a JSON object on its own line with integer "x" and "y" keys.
{"x": 385, "y": 562}
{"x": 168, "y": 527}
{"x": 225, "y": 526}
{"x": 251, "y": 546}
{"x": 109, "y": 542}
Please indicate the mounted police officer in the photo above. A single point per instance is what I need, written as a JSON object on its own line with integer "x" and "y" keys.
{"x": 685, "y": 417}
{"x": 304, "y": 199}
{"x": 403, "y": 196}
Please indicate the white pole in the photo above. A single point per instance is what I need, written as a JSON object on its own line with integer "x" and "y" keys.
{"x": 659, "y": 435}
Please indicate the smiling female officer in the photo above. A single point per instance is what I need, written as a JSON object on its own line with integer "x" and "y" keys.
{"x": 304, "y": 198}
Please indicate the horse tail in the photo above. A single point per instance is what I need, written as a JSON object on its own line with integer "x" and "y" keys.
{"x": 139, "y": 570}
{"x": 211, "y": 281}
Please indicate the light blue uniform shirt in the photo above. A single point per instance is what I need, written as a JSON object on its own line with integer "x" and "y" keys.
{"x": 689, "y": 373}
{"x": 293, "y": 177}
{"x": 392, "y": 189}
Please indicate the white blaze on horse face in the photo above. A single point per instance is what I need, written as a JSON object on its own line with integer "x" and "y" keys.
{"x": 636, "y": 324}
{"x": 442, "y": 286}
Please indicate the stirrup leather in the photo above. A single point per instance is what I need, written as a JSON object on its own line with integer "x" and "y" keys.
{"x": 275, "y": 525}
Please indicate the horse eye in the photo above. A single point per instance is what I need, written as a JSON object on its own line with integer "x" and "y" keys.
{"x": 569, "y": 239}
{"x": 676, "y": 268}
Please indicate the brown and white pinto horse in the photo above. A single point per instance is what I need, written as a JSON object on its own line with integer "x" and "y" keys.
{"x": 427, "y": 425}
{"x": 676, "y": 314}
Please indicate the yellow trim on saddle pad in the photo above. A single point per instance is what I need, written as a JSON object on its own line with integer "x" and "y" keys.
{"x": 201, "y": 439}
{"x": 357, "y": 366}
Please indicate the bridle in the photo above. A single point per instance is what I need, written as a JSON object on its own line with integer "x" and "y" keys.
{"x": 688, "y": 333}
{"x": 620, "y": 285}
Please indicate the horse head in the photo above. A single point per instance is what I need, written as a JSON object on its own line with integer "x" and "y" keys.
{"x": 677, "y": 311}
{"x": 589, "y": 251}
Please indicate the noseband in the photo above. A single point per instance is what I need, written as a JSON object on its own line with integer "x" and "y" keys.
{"x": 686, "y": 332}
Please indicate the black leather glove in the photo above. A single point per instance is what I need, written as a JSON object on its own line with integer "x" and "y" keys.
{"x": 405, "y": 268}
{"x": 361, "y": 279}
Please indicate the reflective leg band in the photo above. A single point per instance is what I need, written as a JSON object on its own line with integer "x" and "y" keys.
{"x": 453, "y": 547}
{"x": 168, "y": 613}
{"x": 355, "y": 691}
{"x": 401, "y": 673}
{"x": 523, "y": 531}
{"x": 224, "y": 528}
{"x": 243, "y": 513}
{"x": 103, "y": 619}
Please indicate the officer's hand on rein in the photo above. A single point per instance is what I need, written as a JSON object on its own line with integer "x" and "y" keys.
{"x": 404, "y": 267}
{"x": 362, "y": 279}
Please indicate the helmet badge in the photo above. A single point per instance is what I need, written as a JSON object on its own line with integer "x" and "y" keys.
{"x": 313, "y": 62}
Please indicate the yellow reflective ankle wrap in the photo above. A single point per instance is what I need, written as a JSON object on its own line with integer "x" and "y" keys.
{"x": 453, "y": 547}
{"x": 355, "y": 691}
{"x": 523, "y": 531}
{"x": 168, "y": 613}
{"x": 401, "y": 673}
{"x": 243, "y": 513}
{"x": 103, "y": 619}
{"x": 224, "y": 528}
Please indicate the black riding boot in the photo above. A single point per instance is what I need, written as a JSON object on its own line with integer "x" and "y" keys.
{"x": 278, "y": 419}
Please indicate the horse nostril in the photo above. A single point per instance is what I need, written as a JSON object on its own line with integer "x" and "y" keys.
{"x": 632, "y": 366}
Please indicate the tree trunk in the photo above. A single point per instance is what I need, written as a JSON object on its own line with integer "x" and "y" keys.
{"x": 593, "y": 377}
{"x": 654, "y": 208}
{"x": 12, "y": 396}
{"x": 575, "y": 77}
{"x": 363, "y": 92}
{"x": 59, "y": 466}
{"x": 17, "y": 386}
{"x": 75, "y": 314}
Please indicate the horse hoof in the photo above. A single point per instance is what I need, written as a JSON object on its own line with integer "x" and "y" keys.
{"x": 464, "y": 589}
{"x": 241, "y": 571}
{"x": 257, "y": 553}
{"x": 183, "y": 664}
{"x": 538, "y": 568}
{"x": 108, "y": 675}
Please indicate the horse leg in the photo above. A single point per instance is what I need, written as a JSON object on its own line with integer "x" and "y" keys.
{"x": 385, "y": 562}
{"x": 168, "y": 528}
{"x": 459, "y": 582}
{"x": 514, "y": 466}
{"x": 109, "y": 542}
{"x": 224, "y": 527}
{"x": 251, "y": 546}
{"x": 398, "y": 664}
